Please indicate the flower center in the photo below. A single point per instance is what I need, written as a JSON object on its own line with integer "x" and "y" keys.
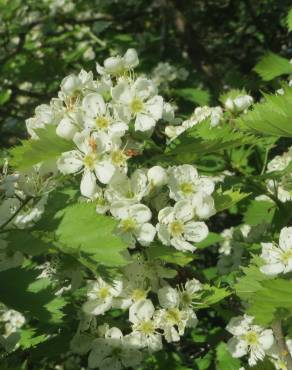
{"x": 89, "y": 161}
{"x": 176, "y": 228}
{"x": 147, "y": 327}
{"x": 137, "y": 105}
{"x": 286, "y": 256}
{"x": 138, "y": 294}
{"x": 118, "y": 157}
{"x": 128, "y": 225}
{"x": 104, "y": 292}
{"x": 187, "y": 188}
{"x": 102, "y": 122}
{"x": 173, "y": 315}
{"x": 100, "y": 201}
{"x": 251, "y": 338}
{"x": 186, "y": 298}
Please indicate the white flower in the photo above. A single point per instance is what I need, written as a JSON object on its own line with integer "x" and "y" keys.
{"x": 184, "y": 182}
{"x": 113, "y": 352}
{"x": 144, "y": 334}
{"x": 102, "y": 206}
{"x": 168, "y": 113}
{"x": 119, "y": 65}
{"x": 100, "y": 296}
{"x": 177, "y": 312}
{"x": 200, "y": 114}
{"x": 13, "y": 321}
{"x": 134, "y": 290}
{"x": 249, "y": 339}
{"x": 281, "y": 187}
{"x": 215, "y": 114}
{"x": 72, "y": 86}
{"x": 173, "y": 131}
{"x": 97, "y": 116}
{"x": 129, "y": 190}
{"x": 278, "y": 259}
{"x": 157, "y": 176}
{"x": 134, "y": 223}
{"x": 226, "y": 244}
{"x": 89, "y": 158}
{"x": 204, "y": 205}
{"x": 66, "y": 128}
{"x": 239, "y": 104}
{"x": 44, "y": 114}
{"x": 138, "y": 101}
{"x": 177, "y": 228}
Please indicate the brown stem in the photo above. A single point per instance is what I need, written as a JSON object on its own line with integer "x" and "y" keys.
{"x": 281, "y": 343}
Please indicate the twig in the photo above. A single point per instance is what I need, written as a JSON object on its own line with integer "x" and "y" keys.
{"x": 281, "y": 343}
{"x": 15, "y": 213}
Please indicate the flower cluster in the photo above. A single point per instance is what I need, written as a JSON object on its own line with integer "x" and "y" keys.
{"x": 103, "y": 125}
{"x": 99, "y": 117}
{"x": 12, "y": 320}
{"x": 149, "y": 324}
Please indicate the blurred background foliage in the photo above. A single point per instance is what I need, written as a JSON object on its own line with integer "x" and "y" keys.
{"x": 217, "y": 41}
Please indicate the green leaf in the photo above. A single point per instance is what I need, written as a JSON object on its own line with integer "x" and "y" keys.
{"x": 271, "y": 117}
{"x": 211, "y": 239}
{"x": 27, "y": 241}
{"x": 250, "y": 282}
{"x": 225, "y": 200}
{"x": 289, "y": 20}
{"x": 29, "y": 338}
{"x": 259, "y": 212}
{"x": 213, "y": 295}
{"x": 275, "y": 295}
{"x": 224, "y": 360}
{"x": 198, "y": 96}
{"x": 83, "y": 232}
{"x": 4, "y": 96}
{"x": 25, "y": 294}
{"x": 169, "y": 254}
{"x": 47, "y": 148}
{"x": 272, "y": 65}
{"x": 204, "y": 139}
{"x": 263, "y": 365}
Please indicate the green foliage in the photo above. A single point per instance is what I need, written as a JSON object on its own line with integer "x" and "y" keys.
{"x": 273, "y": 301}
{"x": 272, "y": 116}
{"x": 32, "y": 297}
{"x": 204, "y": 139}
{"x": 169, "y": 254}
{"x": 47, "y": 148}
{"x": 259, "y": 212}
{"x": 27, "y": 242}
{"x": 213, "y": 295}
{"x": 211, "y": 239}
{"x": 40, "y": 43}
{"x": 250, "y": 283}
{"x": 271, "y": 66}
{"x": 226, "y": 199}
{"x": 289, "y": 20}
{"x": 83, "y": 233}
{"x": 268, "y": 299}
{"x": 197, "y": 96}
{"x": 224, "y": 361}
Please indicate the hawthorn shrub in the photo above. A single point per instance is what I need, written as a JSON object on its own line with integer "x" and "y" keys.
{"x": 133, "y": 236}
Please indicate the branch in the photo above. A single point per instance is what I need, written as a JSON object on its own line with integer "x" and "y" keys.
{"x": 15, "y": 213}
{"x": 281, "y": 343}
